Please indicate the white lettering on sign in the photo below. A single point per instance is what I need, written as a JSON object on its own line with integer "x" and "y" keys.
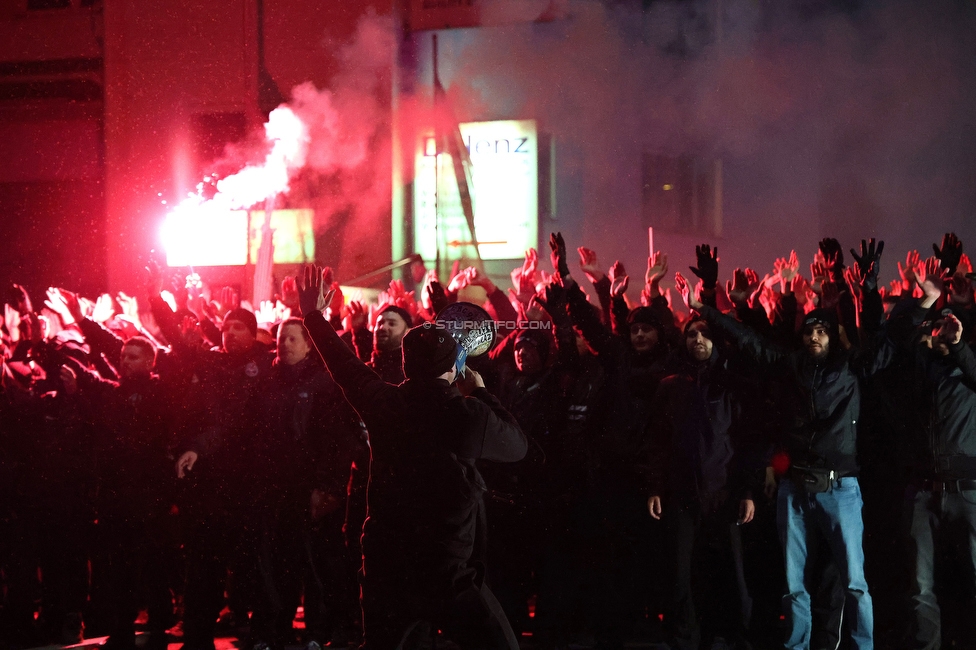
{"x": 505, "y": 193}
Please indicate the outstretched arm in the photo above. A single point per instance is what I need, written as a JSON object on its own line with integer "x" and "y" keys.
{"x": 359, "y": 383}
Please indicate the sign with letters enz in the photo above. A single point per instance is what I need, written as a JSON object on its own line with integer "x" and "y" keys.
{"x": 505, "y": 172}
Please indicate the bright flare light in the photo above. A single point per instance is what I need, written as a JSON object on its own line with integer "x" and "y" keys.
{"x": 197, "y": 232}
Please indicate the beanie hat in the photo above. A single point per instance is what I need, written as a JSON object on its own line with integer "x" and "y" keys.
{"x": 428, "y": 351}
{"x": 244, "y": 316}
{"x": 823, "y": 317}
{"x": 644, "y": 315}
{"x": 536, "y": 338}
{"x": 399, "y": 311}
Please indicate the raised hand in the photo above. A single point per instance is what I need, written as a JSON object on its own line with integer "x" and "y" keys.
{"x": 868, "y": 263}
{"x": 855, "y": 281}
{"x": 616, "y": 270}
{"x": 557, "y": 254}
{"x": 829, "y": 295}
{"x": 931, "y": 277}
{"x": 618, "y": 286}
{"x": 950, "y": 253}
{"x": 819, "y": 273}
{"x": 103, "y": 310}
{"x": 786, "y": 269}
{"x": 707, "y": 269}
{"x": 337, "y": 301}
{"x": 687, "y": 295}
{"x": 289, "y": 293}
{"x": 461, "y": 280}
{"x": 229, "y": 300}
{"x": 311, "y": 296}
{"x": 833, "y": 255}
{"x": 478, "y": 279}
{"x": 738, "y": 287}
{"x": 756, "y": 284}
{"x": 65, "y": 304}
{"x": 191, "y": 331}
{"x": 965, "y": 266}
{"x": 960, "y": 291}
{"x": 589, "y": 264}
{"x": 951, "y": 331}
{"x": 524, "y": 286}
{"x": 356, "y": 317}
{"x": 657, "y": 268}
{"x": 907, "y": 272}
{"x": 265, "y": 314}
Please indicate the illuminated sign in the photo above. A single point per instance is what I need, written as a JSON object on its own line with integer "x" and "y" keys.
{"x": 505, "y": 171}
{"x": 219, "y": 238}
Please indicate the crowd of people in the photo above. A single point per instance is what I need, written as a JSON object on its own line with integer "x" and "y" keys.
{"x": 777, "y": 459}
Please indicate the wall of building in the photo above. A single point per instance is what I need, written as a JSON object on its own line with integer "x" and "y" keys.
{"x": 848, "y": 120}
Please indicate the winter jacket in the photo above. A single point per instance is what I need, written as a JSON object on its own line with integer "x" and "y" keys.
{"x": 303, "y": 433}
{"x": 694, "y": 433}
{"x": 425, "y": 493}
{"x": 944, "y": 444}
{"x": 823, "y": 397}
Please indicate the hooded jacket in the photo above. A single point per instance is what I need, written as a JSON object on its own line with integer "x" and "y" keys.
{"x": 425, "y": 507}
{"x": 823, "y": 397}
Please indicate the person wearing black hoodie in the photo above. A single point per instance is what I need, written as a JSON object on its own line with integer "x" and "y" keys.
{"x": 698, "y": 488}
{"x": 423, "y": 540}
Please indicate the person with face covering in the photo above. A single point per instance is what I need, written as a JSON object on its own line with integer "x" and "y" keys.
{"x": 423, "y": 545}
{"x": 699, "y": 491}
{"x": 821, "y": 496}
{"x": 303, "y": 435}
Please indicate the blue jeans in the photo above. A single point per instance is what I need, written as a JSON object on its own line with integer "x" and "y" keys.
{"x": 835, "y": 515}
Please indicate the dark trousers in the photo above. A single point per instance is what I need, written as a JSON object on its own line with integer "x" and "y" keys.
{"x": 708, "y": 592}
{"x": 129, "y": 564}
{"x": 398, "y": 615}
{"x": 295, "y": 555}
{"x": 934, "y": 520}
{"x": 216, "y": 540}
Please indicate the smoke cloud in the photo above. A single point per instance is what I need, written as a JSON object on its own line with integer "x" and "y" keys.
{"x": 848, "y": 119}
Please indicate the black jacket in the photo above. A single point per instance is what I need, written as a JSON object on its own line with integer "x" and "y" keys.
{"x": 303, "y": 432}
{"x": 945, "y": 388}
{"x": 823, "y": 398}
{"x": 624, "y": 409}
{"x": 425, "y": 493}
{"x": 134, "y": 423}
{"x": 694, "y": 437}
